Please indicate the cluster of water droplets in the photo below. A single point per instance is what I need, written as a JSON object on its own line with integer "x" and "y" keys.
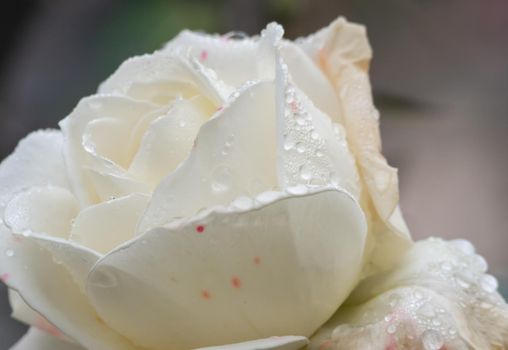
{"x": 423, "y": 319}
{"x": 305, "y": 158}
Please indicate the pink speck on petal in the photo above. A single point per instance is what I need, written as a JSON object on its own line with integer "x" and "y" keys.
{"x": 392, "y": 344}
{"x": 205, "y": 294}
{"x": 236, "y": 282}
{"x": 220, "y": 108}
{"x": 200, "y": 229}
{"x": 325, "y": 345}
{"x": 4, "y": 277}
{"x": 257, "y": 260}
{"x": 294, "y": 106}
{"x": 203, "y": 55}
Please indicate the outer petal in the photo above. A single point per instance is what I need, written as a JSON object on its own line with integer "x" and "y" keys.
{"x": 438, "y": 297}
{"x": 32, "y": 264}
{"x": 273, "y": 343}
{"x": 276, "y": 268}
{"x": 47, "y": 210}
{"x": 37, "y": 161}
{"x": 342, "y": 52}
{"x": 39, "y": 340}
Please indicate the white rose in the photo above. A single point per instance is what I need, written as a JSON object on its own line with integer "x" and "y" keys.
{"x": 217, "y": 191}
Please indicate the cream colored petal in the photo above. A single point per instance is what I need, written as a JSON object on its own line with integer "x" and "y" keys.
{"x": 47, "y": 272}
{"x": 233, "y": 60}
{"x": 143, "y": 76}
{"x": 228, "y": 160}
{"x": 37, "y": 161}
{"x": 24, "y": 313}
{"x": 36, "y": 339}
{"x": 235, "y": 273}
{"x": 81, "y": 154}
{"x": 111, "y": 186}
{"x": 437, "y": 297}
{"x": 289, "y": 342}
{"x": 102, "y": 227}
{"x": 48, "y": 210}
{"x": 169, "y": 139}
{"x": 342, "y": 52}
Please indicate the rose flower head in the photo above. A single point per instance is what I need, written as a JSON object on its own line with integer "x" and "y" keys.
{"x": 231, "y": 191}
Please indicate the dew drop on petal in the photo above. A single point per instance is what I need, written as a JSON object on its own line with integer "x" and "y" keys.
{"x": 432, "y": 340}
{"x": 300, "y": 147}
{"x": 463, "y": 245}
{"x": 297, "y": 190}
{"x": 489, "y": 283}
{"x": 306, "y": 172}
{"x": 10, "y": 253}
{"x": 391, "y": 329}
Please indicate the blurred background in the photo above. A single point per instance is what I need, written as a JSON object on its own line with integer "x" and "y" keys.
{"x": 440, "y": 79}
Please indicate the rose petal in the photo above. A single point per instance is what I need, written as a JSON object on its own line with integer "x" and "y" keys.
{"x": 48, "y": 210}
{"x": 80, "y": 159}
{"x": 109, "y": 186}
{"x": 168, "y": 140}
{"x": 234, "y": 61}
{"x": 275, "y": 268}
{"x": 437, "y": 297}
{"x": 37, "y": 161}
{"x": 36, "y": 339}
{"x": 47, "y": 272}
{"x": 147, "y": 73}
{"x": 289, "y": 342}
{"x": 218, "y": 168}
{"x": 104, "y": 226}
{"x": 342, "y": 52}
{"x": 311, "y": 80}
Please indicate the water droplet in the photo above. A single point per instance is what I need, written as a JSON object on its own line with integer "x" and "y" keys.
{"x": 103, "y": 279}
{"x": 297, "y": 190}
{"x": 300, "y": 147}
{"x": 230, "y": 140}
{"x": 10, "y": 253}
{"x": 306, "y": 172}
{"x": 267, "y": 197}
{"x": 480, "y": 263}
{"x": 391, "y": 329}
{"x": 222, "y": 179}
{"x": 432, "y": 340}
{"x": 452, "y": 331}
{"x": 393, "y": 299}
{"x": 319, "y": 153}
{"x": 489, "y": 283}
{"x": 436, "y": 322}
{"x": 446, "y": 266}
{"x": 289, "y": 143}
{"x": 463, "y": 284}
{"x": 463, "y": 245}
{"x": 243, "y": 203}
{"x": 182, "y": 123}
{"x": 418, "y": 295}
{"x": 314, "y": 135}
{"x": 300, "y": 120}
{"x": 334, "y": 179}
{"x": 427, "y": 310}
